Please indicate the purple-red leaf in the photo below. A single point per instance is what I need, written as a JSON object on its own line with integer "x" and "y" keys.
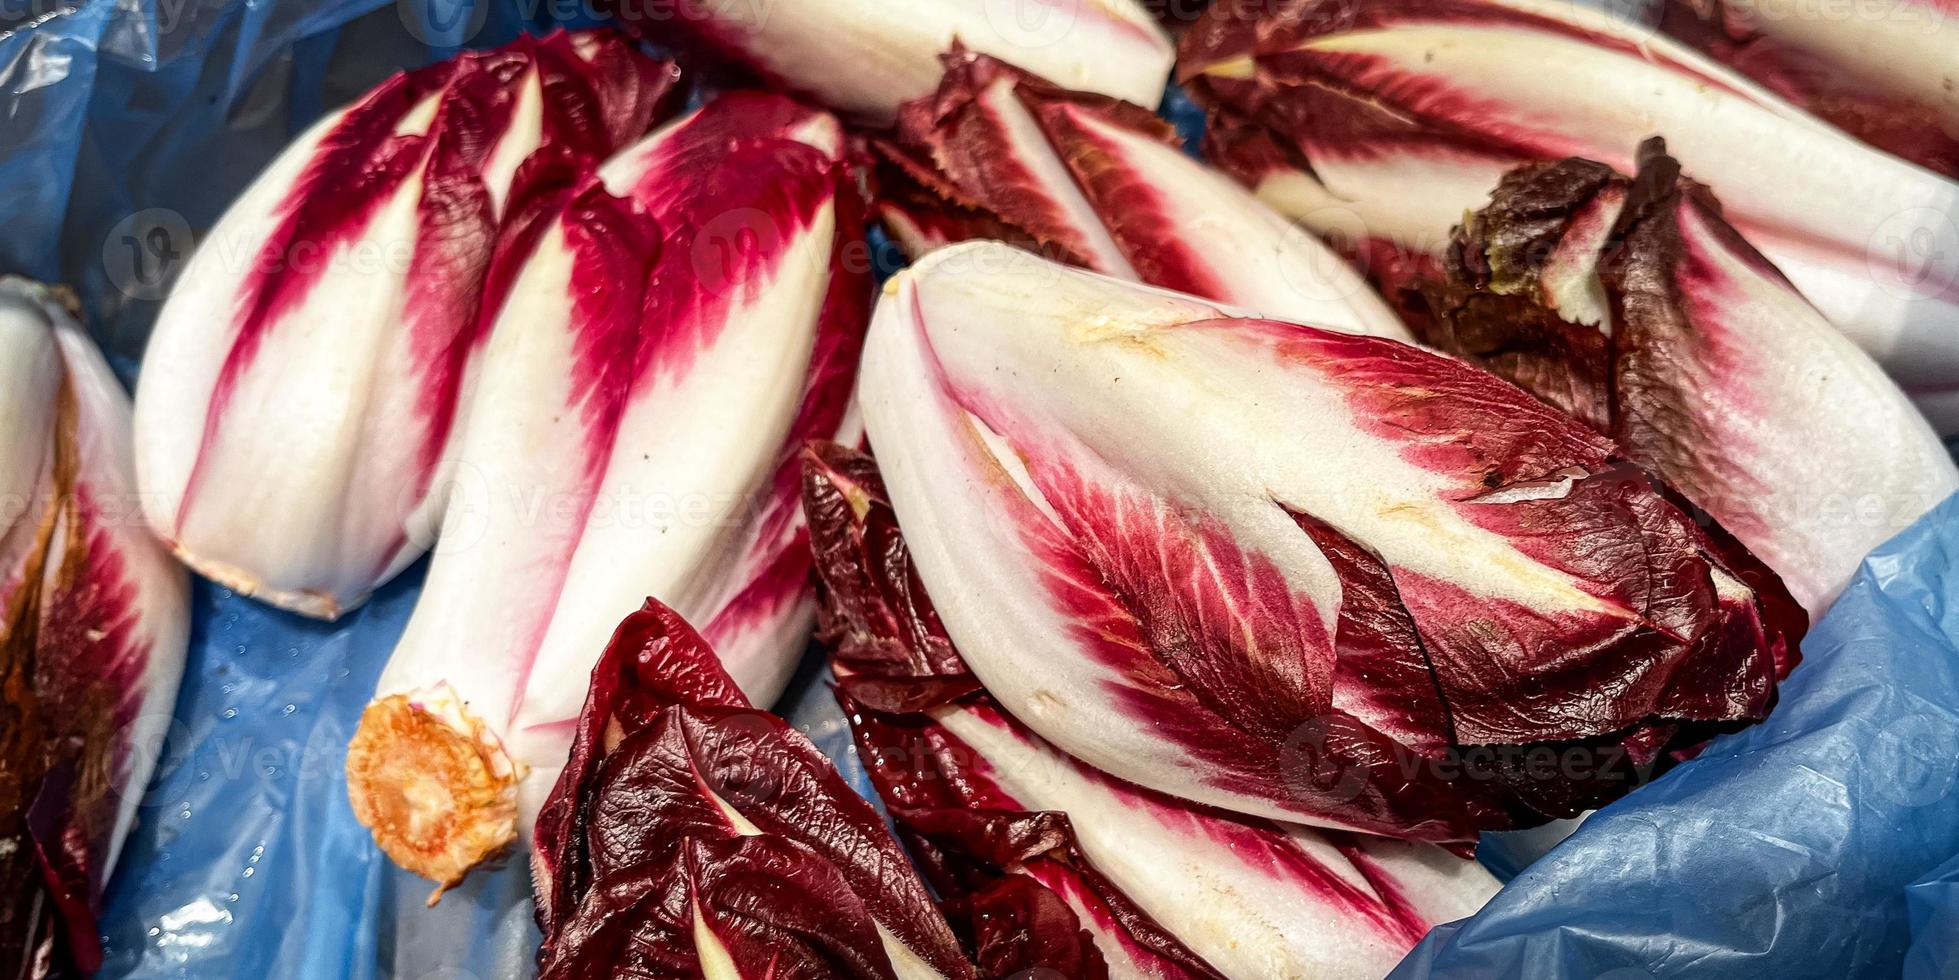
{"x": 1388, "y": 120}
{"x": 94, "y": 622}
{"x": 1694, "y": 354}
{"x": 997, "y": 153}
{"x": 669, "y": 330}
{"x": 1158, "y": 534}
{"x": 305, "y": 381}
{"x": 1161, "y": 887}
{"x": 1887, "y": 77}
{"x": 764, "y": 907}
{"x": 689, "y": 829}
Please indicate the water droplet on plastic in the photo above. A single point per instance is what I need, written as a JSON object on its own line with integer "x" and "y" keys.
{"x": 230, "y": 713}
{"x": 204, "y": 777}
{"x": 250, "y": 872}
{"x": 289, "y": 709}
{"x": 154, "y": 931}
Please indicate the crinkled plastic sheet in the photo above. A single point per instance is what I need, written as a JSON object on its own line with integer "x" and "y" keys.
{"x": 1933, "y": 904}
{"x": 1820, "y": 845}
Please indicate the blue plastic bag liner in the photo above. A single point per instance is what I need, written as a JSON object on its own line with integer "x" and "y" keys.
{"x": 1933, "y": 904}
{"x": 1820, "y": 843}
{"x": 1816, "y": 845}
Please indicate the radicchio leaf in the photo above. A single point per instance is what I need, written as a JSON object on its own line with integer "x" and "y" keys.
{"x": 690, "y": 830}
{"x": 92, "y": 644}
{"x": 1390, "y": 119}
{"x": 1140, "y": 521}
{"x": 1126, "y": 880}
{"x": 1689, "y": 348}
{"x": 866, "y": 57}
{"x": 1886, "y": 77}
{"x": 671, "y": 328}
{"x": 997, "y": 153}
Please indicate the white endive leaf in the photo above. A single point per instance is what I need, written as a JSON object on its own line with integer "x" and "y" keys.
{"x": 867, "y": 57}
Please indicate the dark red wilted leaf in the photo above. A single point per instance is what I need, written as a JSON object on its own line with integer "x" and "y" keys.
{"x": 1670, "y": 374}
{"x": 777, "y": 909}
{"x": 1488, "y": 305}
{"x": 639, "y": 821}
{"x": 878, "y": 611}
{"x": 1023, "y": 928}
{"x": 952, "y": 158}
